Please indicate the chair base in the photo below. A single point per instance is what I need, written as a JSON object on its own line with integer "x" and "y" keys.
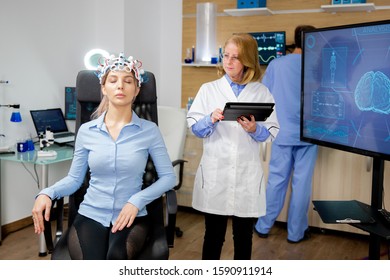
{"x": 178, "y": 232}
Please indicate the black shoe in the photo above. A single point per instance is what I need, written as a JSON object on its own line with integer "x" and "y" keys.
{"x": 306, "y": 236}
{"x": 259, "y": 234}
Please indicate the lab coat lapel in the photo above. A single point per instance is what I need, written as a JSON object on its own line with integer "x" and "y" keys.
{"x": 227, "y": 90}
{"x": 247, "y": 94}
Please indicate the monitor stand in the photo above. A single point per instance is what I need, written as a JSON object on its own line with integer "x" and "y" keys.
{"x": 377, "y": 230}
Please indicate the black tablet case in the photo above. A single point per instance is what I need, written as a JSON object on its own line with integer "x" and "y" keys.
{"x": 234, "y": 110}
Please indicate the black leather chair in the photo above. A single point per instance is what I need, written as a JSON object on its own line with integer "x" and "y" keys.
{"x": 161, "y": 237}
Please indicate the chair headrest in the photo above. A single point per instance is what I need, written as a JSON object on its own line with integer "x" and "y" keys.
{"x": 88, "y": 88}
{"x": 148, "y": 92}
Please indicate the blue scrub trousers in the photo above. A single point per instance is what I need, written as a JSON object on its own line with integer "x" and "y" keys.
{"x": 286, "y": 160}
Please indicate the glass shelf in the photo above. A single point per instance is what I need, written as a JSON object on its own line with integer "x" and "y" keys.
{"x": 248, "y": 12}
{"x": 368, "y": 7}
{"x": 199, "y": 65}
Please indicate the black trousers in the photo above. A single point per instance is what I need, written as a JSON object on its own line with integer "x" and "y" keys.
{"x": 90, "y": 240}
{"x": 214, "y": 238}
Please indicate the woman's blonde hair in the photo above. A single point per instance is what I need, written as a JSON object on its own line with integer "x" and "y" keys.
{"x": 247, "y": 55}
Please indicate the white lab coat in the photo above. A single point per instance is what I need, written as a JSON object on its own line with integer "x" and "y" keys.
{"x": 230, "y": 179}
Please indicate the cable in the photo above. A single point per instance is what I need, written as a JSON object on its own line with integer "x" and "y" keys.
{"x": 36, "y": 178}
{"x": 36, "y": 174}
{"x": 388, "y": 250}
{"x": 383, "y": 198}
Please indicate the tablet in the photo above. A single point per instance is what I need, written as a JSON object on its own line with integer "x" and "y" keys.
{"x": 234, "y": 110}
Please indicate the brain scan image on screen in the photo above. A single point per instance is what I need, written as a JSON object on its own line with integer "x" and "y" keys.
{"x": 372, "y": 93}
{"x": 346, "y": 86}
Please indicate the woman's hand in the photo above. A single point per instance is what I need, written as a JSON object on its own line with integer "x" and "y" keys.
{"x": 126, "y": 217}
{"x": 42, "y": 203}
{"x": 248, "y": 125}
{"x": 217, "y": 115}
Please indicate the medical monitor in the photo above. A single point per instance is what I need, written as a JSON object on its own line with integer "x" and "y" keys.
{"x": 346, "y": 88}
{"x": 270, "y": 45}
{"x": 70, "y": 103}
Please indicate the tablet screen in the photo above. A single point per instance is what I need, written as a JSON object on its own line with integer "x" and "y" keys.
{"x": 234, "y": 110}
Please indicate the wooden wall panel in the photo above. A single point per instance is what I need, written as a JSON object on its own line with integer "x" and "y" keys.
{"x": 194, "y": 81}
{"x": 227, "y": 25}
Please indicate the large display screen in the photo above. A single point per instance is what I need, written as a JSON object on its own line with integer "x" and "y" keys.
{"x": 346, "y": 88}
{"x": 270, "y": 45}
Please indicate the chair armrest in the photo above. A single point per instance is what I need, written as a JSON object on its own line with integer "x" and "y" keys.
{"x": 181, "y": 162}
{"x": 57, "y": 215}
{"x": 171, "y": 211}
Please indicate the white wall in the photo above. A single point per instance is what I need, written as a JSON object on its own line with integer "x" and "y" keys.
{"x": 153, "y": 33}
{"x": 41, "y": 50}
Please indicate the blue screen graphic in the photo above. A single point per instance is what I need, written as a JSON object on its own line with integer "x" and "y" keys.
{"x": 271, "y": 45}
{"x": 70, "y": 103}
{"x": 346, "y": 88}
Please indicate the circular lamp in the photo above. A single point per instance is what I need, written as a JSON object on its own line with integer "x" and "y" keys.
{"x": 94, "y": 57}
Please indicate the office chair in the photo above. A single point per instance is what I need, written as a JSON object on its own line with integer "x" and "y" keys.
{"x": 161, "y": 236}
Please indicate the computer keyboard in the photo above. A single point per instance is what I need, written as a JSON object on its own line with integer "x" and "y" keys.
{"x": 64, "y": 134}
{"x": 64, "y": 139}
{"x": 385, "y": 216}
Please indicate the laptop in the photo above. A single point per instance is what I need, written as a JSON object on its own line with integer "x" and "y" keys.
{"x": 261, "y": 111}
{"x": 55, "y": 120}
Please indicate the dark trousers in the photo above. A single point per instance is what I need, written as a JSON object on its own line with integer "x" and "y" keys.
{"x": 90, "y": 240}
{"x": 214, "y": 238}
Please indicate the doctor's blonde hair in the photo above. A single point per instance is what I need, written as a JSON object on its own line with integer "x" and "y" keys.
{"x": 247, "y": 55}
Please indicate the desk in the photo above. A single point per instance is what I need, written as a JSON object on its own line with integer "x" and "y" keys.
{"x": 64, "y": 153}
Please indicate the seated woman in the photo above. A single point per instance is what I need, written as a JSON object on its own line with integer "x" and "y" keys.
{"x": 112, "y": 221}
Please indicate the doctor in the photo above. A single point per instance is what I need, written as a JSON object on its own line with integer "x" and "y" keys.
{"x": 229, "y": 181}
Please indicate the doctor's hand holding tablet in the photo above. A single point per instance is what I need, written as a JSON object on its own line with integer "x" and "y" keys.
{"x": 249, "y": 125}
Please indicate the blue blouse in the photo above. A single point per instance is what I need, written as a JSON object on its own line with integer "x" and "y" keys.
{"x": 117, "y": 168}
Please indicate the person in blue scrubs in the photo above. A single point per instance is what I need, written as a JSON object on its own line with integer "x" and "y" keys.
{"x": 112, "y": 221}
{"x": 290, "y": 157}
